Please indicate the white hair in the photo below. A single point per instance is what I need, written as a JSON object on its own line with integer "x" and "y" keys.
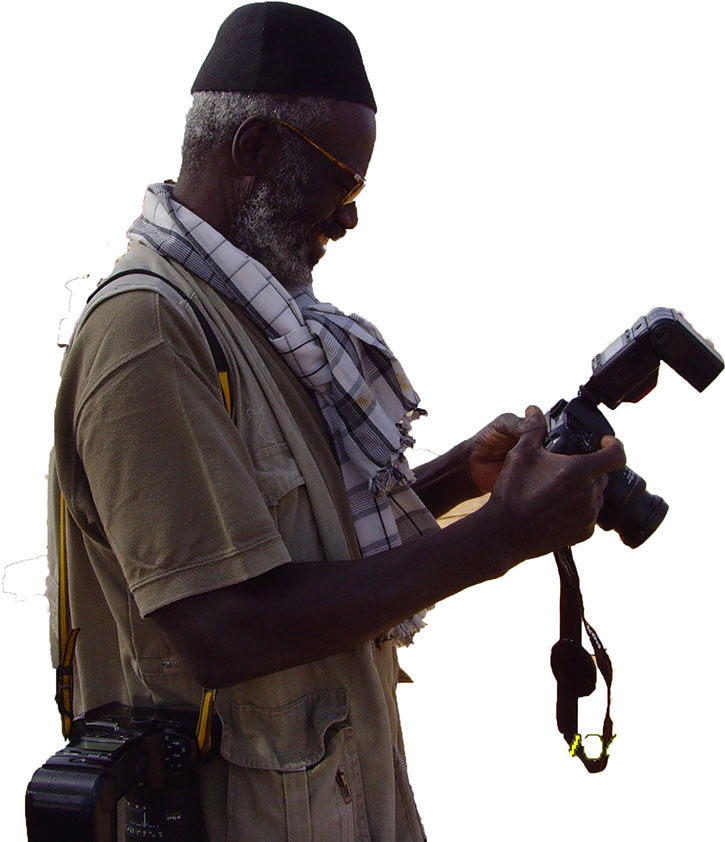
{"x": 215, "y": 116}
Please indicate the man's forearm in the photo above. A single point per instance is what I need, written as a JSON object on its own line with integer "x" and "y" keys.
{"x": 446, "y": 481}
{"x": 301, "y": 612}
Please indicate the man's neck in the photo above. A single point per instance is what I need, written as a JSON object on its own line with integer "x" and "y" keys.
{"x": 204, "y": 202}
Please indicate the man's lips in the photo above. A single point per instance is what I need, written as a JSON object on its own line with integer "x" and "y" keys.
{"x": 330, "y": 230}
{"x": 322, "y": 236}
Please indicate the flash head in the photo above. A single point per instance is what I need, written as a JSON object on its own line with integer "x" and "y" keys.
{"x": 627, "y": 369}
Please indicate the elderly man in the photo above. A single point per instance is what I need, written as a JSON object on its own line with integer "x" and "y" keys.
{"x": 238, "y": 510}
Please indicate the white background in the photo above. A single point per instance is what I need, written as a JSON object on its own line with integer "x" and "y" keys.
{"x": 545, "y": 173}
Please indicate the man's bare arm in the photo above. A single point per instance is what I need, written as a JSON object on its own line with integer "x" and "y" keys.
{"x": 301, "y": 612}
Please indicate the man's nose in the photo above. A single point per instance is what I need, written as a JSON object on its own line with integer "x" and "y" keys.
{"x": 346, "y": 215}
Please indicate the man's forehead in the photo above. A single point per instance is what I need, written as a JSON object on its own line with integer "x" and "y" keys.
{"x": 350, "y": 133}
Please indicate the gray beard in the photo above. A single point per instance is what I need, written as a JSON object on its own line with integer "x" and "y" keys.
{"x": 267, "y": 225}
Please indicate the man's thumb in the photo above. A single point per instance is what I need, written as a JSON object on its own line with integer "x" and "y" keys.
{"x": 533, "y": 427}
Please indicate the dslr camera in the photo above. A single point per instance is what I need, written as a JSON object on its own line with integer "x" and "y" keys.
{"x": 624, "y": 373}
{"x": 147, "y": 757}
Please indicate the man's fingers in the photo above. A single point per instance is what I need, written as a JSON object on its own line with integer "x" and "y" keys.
{"x": 508, "y": 425}
{"x": 533, "y": 429}
{"x": 611, "y": 457}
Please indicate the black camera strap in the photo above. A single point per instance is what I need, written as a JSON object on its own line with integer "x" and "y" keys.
{"x": 67, "y": 636}
{"x": 574, "y": 668}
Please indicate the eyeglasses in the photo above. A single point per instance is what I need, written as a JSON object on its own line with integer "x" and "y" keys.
{"x": 357, "y": 187}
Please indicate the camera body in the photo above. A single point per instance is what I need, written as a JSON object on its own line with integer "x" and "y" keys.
{"x": 146, "y": 756}
{"x": 626, "y": 371}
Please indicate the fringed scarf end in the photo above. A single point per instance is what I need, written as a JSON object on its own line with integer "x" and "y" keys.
{"x": 403, "y": 633}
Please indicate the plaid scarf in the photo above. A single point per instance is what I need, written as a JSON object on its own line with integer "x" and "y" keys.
{"x": 361, "y": 389}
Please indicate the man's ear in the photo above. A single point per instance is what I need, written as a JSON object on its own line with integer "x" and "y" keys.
{"x": 254, "y": 141}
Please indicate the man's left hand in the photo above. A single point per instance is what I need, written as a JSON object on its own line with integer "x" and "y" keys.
{"x": 487, "y": 450}
{"x": 470, "y": 469}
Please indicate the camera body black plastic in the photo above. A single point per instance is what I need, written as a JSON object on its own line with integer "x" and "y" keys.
{"x": 626, "y": 371}
{"x": 113, "y": 752}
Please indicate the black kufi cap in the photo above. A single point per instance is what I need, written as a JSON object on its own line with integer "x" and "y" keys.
{"x": 278, "y": 48}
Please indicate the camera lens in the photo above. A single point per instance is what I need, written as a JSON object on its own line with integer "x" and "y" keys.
{"x": 630, "y": 509}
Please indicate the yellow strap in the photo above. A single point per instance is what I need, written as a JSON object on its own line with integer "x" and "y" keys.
{"x": 206, "y": 709}
{"x": 67, "y": 636}
{"x": 206, "y": 717}
{"x": 224, "y": 381}
{"x": 63, "y": 607}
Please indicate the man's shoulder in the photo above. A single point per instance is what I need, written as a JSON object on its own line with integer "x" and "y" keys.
{"x": 128, "y": 324}
{"x": 119, "y": 326}
{"x": 142, "y": 257}
{"x": 142, "y": 301}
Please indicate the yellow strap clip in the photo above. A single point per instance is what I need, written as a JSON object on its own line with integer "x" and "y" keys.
{"x": 577, "y": 742}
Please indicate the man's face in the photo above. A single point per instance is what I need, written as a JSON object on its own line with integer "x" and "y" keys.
{"x": 295, "y": 210}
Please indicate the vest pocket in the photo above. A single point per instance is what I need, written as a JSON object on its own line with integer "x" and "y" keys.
{"x": 275, "y": 472}
{"x": 294, "y": 772}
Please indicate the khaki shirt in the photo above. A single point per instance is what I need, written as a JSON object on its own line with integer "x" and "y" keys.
{"x": 168, "y": 497}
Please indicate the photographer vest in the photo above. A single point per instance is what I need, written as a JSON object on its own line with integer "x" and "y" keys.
{"x": 313, "y": 748}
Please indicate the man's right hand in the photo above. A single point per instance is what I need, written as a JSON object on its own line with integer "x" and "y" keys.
{"x": 545, "y": 501}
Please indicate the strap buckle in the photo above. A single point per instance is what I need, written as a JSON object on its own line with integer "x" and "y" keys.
{"x": 64, "y": 696}
{"x": 577, "y": 745}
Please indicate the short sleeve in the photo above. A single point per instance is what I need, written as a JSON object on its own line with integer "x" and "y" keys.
{"x": 169, "y": 476}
